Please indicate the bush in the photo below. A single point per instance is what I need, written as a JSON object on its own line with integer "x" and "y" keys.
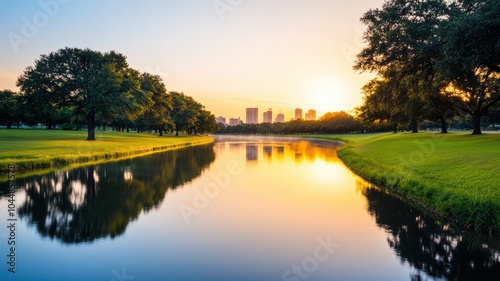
{"x": 67, "y": 126}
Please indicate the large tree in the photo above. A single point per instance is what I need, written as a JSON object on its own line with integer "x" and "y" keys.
{"x": 205, "y": 123}
{"x": 471, "y": 60}
{"x": 185, "y": 111}
{"x": 403, "y": 50}
{"x": 437, "y": 53}
{"x": 91, "y": 82}
{"x": 9, "y": 107}
{"x": 157, "y": 114}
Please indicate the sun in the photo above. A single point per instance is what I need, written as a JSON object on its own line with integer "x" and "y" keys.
{"x": 324, "y": 95}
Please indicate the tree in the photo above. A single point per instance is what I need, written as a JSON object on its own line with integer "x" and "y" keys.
{"x": 9, "y": 107}
{"x": 185, "y": 111}
{"x": 206, "y": 123}
{"x": 472, "y": 56}
{"x": 403, "y": 49}
{"x": 91, "y": 82}
{"x": 157, "y": 115}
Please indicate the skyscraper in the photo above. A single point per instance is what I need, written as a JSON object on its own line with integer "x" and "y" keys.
{"x": 268, "y": 116}
{"x": 298, "y": 113}
{"x": 311, "y": 114}
{"x": 221, "y": 119}
{"x": 234, "y": 121}
{"x": 252, "y": 115}
{"x": 280, "y": 118}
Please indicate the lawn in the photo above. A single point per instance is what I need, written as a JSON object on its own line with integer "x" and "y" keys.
{"x": 455, "y": 174}
{"x": 33, "y": 149}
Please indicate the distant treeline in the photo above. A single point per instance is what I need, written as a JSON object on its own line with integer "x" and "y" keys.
{"x": 330, "y": 123}
{"x": 343, "y": 123}
{"x": 79, "y": 88}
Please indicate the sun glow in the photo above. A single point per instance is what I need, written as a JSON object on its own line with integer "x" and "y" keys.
{"x": 324, "y": 95}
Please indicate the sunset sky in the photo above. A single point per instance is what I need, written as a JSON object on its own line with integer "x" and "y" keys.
{"x": 227, "y": 54}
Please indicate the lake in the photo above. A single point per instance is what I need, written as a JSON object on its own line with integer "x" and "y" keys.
{"x": 243, "y": 208}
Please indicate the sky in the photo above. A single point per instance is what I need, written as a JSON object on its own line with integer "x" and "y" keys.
{"x": 226, "y": 54}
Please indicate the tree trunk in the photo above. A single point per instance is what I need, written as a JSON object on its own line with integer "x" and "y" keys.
{"x": 161, "y": 133}
{"x": 476, "y": 122}
{"x": 414, "y": 125}
{"x": 91, "y": 126}
{"x": 9, "y": 124}
{"x": 444, "y": 126}
{"x": 395, "y": 128}
{"x": 176, "y": 133}
{"x": 128, "y": 129}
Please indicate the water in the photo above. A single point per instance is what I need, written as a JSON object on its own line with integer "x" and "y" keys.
{"x": 244, "y": 208}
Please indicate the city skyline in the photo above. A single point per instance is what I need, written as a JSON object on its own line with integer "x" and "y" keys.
{"x": 255, "y": 54}
{"x": 268, "y": 117}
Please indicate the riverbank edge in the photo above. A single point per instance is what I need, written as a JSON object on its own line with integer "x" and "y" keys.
{"x": 461, "y": 216}
{"x": 27, "y": 167}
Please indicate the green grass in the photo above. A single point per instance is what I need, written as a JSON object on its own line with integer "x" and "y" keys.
{"x": 32, "y": 149}
{"x": 456, "y": 174}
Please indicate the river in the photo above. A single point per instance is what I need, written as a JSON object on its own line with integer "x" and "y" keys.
{"x": 243, "y": 208}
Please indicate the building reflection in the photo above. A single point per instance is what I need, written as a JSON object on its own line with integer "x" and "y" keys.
{"x": 251, "y": 152}
{"x": 280, "y": 152}
{"x": 267, "y": 150}
{"x": 235, "y": 146}
{"x": 431, "y": 248}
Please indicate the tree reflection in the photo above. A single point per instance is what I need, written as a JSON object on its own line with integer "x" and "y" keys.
{"x": 85, "y": 204}
{"x": 431, "y": 248}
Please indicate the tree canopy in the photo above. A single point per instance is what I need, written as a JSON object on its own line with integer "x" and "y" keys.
{"x": 433, "y": 60}
{"x": 71, "y": 85}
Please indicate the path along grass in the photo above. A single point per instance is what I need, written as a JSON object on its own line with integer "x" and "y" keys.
{"x": 31, "y": 149}
{"x": 457, "y": 175}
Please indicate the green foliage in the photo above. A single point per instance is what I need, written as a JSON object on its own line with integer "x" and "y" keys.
{"x": 68, "y": 127}
{"x": 9, "y": 107}
{"x": 434, "y": 59}
{"x": 102, "y": 89}
{"x": 185, "y": 111}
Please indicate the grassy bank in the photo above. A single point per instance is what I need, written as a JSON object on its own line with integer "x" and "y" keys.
{"x": 32, "y": 149}
{"x": 456, "y": 175}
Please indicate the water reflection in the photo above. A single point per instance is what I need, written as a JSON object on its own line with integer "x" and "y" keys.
{"x": 85, "y": 204}
{"x": 262, "y": 221}
{"x": 428, "y": 246}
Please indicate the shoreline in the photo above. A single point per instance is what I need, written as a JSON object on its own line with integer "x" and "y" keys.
{"x": 467, "y": 212}
{"x": 95, "y": 153}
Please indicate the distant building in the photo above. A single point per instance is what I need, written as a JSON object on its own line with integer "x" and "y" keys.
{"x": 311, "y": 114}
{"x": 268, "y": 116}
{"x": 298, "y": 113}
{"x": 221, "y": 119}
{"x": 235, "y": 121}
{"x": 280, "y": 118}
{"x": 252, "y": 115}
